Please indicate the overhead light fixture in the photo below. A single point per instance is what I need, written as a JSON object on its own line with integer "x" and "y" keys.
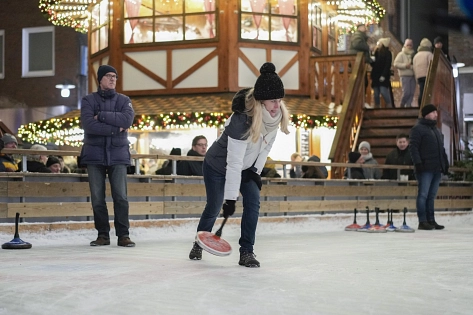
{"x": 65, "y": 89}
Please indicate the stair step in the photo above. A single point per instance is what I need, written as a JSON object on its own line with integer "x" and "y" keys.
{"x": 366, "y": 134}
{"x": 389, "y": 123}
{"x": 412, "y": 112}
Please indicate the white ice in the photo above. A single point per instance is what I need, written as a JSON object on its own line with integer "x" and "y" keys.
{"x": 307, "y": 267}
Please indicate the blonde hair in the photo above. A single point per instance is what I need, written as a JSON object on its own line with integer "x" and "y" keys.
{"x": 254, "y": 110}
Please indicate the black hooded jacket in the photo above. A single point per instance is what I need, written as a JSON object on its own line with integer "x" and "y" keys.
{"x": 190, "y": 168}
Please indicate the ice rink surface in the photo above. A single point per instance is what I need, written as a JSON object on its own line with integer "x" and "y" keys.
{"x": 312, "y": 267}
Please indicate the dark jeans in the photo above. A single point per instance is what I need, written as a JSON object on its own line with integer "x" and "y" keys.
{"x": 215, "y": 188}
{"x": 118, "y": 185}
{"x": 428, "y": 185}
{"x": 421, "y": 82}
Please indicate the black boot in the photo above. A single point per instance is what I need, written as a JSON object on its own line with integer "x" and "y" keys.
{"x": 425, "y": 226}
{"x": 436, "y": 226}
{"x": 196, "y": 252}
{"x": 248, "y": 260}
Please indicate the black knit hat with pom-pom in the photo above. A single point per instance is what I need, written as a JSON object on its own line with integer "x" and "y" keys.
{"x": 268, "y": 86}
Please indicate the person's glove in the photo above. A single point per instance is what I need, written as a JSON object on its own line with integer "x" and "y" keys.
{"x": 228, "y": 208}
{"x": 419, "y": 168}
{"x": 248, "y": 175}
{"x": 381, "y": 79}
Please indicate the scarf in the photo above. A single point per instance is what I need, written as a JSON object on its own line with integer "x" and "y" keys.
{"x": 367, "y": 157}
{"x": 269, "y": 123}
{"x": 408, "y": 51}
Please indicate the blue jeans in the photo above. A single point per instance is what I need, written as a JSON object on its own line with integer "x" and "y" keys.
{"x": 118, "y": 185}
{"x": 215, "y": 188}
{"x": 384, "y": 91}
{"x": 428, "y": 185}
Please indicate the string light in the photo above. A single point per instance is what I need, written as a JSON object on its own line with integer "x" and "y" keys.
{"x": 68, "y": 131}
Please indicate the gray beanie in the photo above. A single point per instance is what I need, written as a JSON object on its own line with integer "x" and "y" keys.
{"x": 268, "y": 86}
{"x": 364, "y": 144}
{"x": 9, "y": 138}
{"x": 103, "y": 70}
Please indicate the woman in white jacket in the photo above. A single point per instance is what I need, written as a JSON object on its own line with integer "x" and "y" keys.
{"x": 421, "y": 64}
{"x": 234, "y": 162}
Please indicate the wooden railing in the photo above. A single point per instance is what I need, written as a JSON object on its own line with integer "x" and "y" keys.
{"x": 62, "y": 196}
{"x": 329, "y": 77}
{"x": 351, "y": 116}
{"x": 440, "y": 91}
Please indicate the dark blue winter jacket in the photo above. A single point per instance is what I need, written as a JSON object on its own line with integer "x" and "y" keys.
{"x": 427, "y": 148}
{"x": 104, "y": 144}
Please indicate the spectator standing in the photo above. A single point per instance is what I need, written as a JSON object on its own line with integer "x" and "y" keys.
{"x": 7, "y": 162}
{"x": 403, "y": 63}
{"x": 399, "y": 156}
{"x": 381, "y": 73}
{"x": 106, "y": 116}
{"x": 194, "y": 168}
{"x": 421, "y": 64}
{"x": 430, "y": 161}
{"x": 359, "y": 42}
{"x": 438, "y": 43}
{"x": 367, "y": 158}
{"x": 36, "y": 163}
{"x": 234, "y": 162}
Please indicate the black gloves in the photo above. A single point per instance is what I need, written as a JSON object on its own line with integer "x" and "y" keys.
{"x": 248, "y": 175}
{"x": 228, "y": 208}
{"x": 419, "y": 168}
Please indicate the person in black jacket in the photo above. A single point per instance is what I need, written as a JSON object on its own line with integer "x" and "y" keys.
{"x": 430, "y": 160}
{"x": 193, "y": 168}
{"x": 381, "y": 73}
{"x": 354, "y": 172}
{"x": 399, "y": 156}
{"x": 36, "y": 163}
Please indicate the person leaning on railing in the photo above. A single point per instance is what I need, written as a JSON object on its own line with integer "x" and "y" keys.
{"x": 36, "y": 163}
{"x": 7, "y": 162}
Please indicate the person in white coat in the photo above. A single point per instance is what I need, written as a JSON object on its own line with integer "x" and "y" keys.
{"x": 403, "y": 63}
{"x": 234, "y": 162}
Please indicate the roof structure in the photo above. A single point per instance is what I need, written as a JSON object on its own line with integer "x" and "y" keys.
{"x": 212, "y": 103}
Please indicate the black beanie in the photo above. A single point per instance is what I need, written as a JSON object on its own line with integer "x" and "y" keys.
{"x": 353, "y": 156}
{"x": 268, "y": 86}
{"x": 103, "y": 70}
{"x": 438, "y": 39}
{"x": 52, "y": 160}
{"x": 427, "y": 109}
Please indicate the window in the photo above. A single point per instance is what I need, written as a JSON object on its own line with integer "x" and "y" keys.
{"x": 100, "y": 17}
{"x": 38, "y": 51}
{"x": 332, "y": 35}
{"x": 157, "y": 21}
{"x": 269, "y": 20}
{"x": 315, "y": 16}
{"x": 2, "y": 54}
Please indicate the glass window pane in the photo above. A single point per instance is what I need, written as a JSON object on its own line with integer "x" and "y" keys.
{"x": 40, "y": 51}
{"x": 169, "y": 29}
{"x": 199, "y": 5}
{"x": 260, "y": 6}
{"x": 2, "y": 45}
{"x": 286, "y": 7}
{"x": 284, "y": 29}
{"x": 95, "y": 16}
{"x": 254, "y": 26}
{"x": 103, "y": 18}
{"x": 135, "y": 8}
{"x": 94, "y": 42}
{"x": 103, "y": 40}
{"x": 138, "y": 31}
{"x": 168, "y": 7}
{"x": 200, "y": 26}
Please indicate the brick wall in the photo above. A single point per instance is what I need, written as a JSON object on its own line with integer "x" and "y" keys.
{"x": 460, "y": 46}
{"x": 16, "y": 91}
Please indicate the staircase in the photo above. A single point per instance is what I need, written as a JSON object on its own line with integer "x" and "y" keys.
{"x": 381, "y": 126}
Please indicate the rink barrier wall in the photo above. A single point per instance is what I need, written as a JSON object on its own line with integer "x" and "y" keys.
{"x": 63, "y": 197}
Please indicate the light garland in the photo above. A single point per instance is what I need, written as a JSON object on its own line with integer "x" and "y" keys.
{"x": 70, "y": 13}
{"x": 68, "y": 131}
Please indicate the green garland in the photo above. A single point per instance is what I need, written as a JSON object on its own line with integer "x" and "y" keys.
{"x": 68, "y": 131}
